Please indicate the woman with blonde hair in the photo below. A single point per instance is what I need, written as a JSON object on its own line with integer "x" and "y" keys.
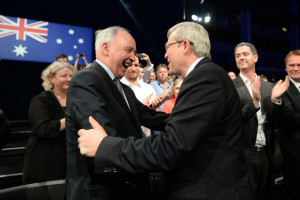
{"x": 169, "y": 104}
{"x": 45, "y": 157}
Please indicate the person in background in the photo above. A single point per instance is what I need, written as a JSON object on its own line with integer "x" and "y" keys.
{"x": 45, "y": 156}
{"x": 152, "y": 77}
{"x": 258, "y": 128}
{"x": 162, "y": 85}
{"x": 169, "y": 104}
{"x": 286, "y": 99}
{"x": 76, "y": 65}
{"x": 232, "y": 75}
{"x": 171, "y": 78}
{"x": 62, "y": 58}
{"x": 143, "y": 92}
{"x": 141, "y": 73}
{"x": 148, "y": 68}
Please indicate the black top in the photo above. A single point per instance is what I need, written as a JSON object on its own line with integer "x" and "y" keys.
{"x": 45, "y": 157}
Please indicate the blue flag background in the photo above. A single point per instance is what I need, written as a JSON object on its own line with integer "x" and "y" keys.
{"x": 60, "y": 39}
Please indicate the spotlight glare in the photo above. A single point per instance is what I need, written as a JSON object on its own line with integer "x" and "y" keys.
{"x": 194, "y": 17}
{"x": 207, "y": 19}
{"x": 199, "y": 19}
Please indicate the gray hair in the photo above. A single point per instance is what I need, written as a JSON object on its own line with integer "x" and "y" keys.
{"x": 196, "y": 34}
{"x": 107, "y": 35}
{"x": 51, "y": 70}
{"x": 251, "y": 46}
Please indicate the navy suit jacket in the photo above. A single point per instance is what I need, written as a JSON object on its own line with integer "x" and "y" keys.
{"x": 93, "y": 93}
{"x": 200, "y": 151}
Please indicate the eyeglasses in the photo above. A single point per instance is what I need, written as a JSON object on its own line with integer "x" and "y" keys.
{"x": 178, "y": 42}
{"x": 168, "y": 45}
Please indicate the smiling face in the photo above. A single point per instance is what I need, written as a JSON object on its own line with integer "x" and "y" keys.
{"x": 132, "y": 72}
{"x": 244, "y": 58}
{"x": 120, "y": 53}
{"x": 292, "y": 67}
{"x": 61, "y": 79}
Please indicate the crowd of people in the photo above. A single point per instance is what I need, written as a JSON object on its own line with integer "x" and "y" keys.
{"x": 201, "y": 131}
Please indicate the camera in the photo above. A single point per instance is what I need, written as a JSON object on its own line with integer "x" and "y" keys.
{"x": 81, "y": 54}
{"x": 139, "y": 55}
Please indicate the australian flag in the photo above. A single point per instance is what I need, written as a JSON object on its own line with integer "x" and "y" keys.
{"x": 40, "y": 41}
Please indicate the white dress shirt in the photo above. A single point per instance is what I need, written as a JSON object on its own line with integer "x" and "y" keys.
{"x": 260, "y": 137}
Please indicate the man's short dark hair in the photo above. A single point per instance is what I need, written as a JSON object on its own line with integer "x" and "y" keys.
{"x": 62, "y": 56}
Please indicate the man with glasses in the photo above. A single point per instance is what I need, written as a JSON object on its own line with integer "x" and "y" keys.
{"x": 201, "y": 151}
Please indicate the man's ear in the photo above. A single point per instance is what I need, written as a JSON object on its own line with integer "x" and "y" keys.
{"x": 255, "y": 58}
{"x": 105, "y": 48}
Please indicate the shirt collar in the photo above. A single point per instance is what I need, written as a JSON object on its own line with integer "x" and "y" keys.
{"x": 111, "y": 75}
{"x": 126, "y": 82}
{"x": 193, "y": 65}
{"x": 246, "y": 80}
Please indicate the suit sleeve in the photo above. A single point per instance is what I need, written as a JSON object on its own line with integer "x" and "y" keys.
{"x": 248, "y": 111}
{"x": 289, "y": 111}
{"x": 200, "y": 104}
{"x": 41, "y": 118}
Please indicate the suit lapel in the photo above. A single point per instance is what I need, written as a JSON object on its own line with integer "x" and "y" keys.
{"x": 111, "y": 85}
{"x": 118, "y": 96}
{"x": 242, "y": 89}
{"x": 294, "y": 91}
{"x": 134, "y": 112}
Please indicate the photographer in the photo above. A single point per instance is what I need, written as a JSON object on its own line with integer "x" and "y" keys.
{"x": 76, "y": 65}
{"x": 148, "y": 68}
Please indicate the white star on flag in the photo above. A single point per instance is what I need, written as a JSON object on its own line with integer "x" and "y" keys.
{"x": 20, "y": 50}
{"x": 59, "y": 41}
{"x": 70, "y": 57}
{"x": 80, "y": 41}
{"x": 71, "y": 32}
{"x": 75, "y": 47}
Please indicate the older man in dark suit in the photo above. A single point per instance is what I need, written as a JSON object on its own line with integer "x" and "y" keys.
{"x": 96, "y": 91}
{"x": 255, "y": 97}
{"x": 201, "y": 148}
{"x": 286, "y": 99}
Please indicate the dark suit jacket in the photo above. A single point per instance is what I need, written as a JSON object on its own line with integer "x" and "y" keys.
{"x": 288, "y": 119}
{"x": 45, "y": 157}
{"x": 93, "y": 93}
{"x": 201, "y": 149}
{"x": 249, "y": 112}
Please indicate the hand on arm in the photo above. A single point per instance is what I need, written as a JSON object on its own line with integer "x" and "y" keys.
{"x": 256, "y": 91}
{"x": 280, "y": 88}
{"x": 89, "y": 140}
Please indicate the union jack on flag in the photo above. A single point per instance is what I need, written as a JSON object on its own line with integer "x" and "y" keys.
{"x": 40, "y": 41}
{"x": 22, "y": 29}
